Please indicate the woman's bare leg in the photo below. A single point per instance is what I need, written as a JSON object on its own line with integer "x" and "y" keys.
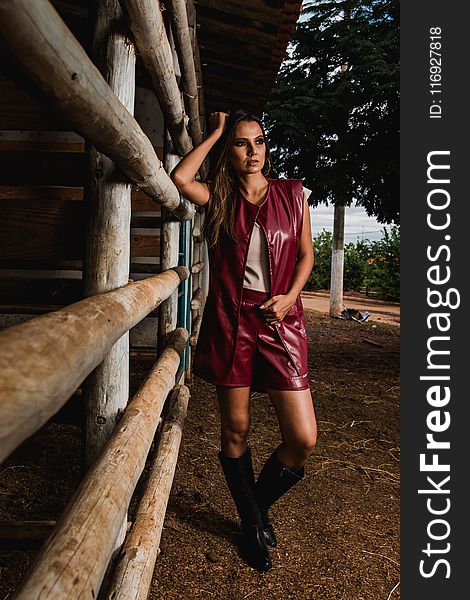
{"x": 297, "y": 422}
{"x": 234, "y": 406}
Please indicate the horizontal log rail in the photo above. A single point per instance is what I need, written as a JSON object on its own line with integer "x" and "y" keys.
{"x": 36, "y": 37}
{"x": 73, "y": 561}
{"x": 133, "y": 575}
{"x": 45, "y": 359}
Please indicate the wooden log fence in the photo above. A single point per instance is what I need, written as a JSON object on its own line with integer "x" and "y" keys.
{"x": 73, "y": 561}
{"x": 169, "y": 254}
{"x": 45, "y": 359}
{"x": 133, "y": 575}
{"x": 184, "y": 49}
{"x": 195, "y": 330}
{"x": 34, "y": 35}
{"x": 106, "y": 267}
{"x": 198, "y": 299}
{"x": 197, "y": 267}
{"x": 148, "y": 27}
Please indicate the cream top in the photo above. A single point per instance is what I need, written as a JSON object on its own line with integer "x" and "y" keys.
{"x": 257, "y": 262}
{"x": 257, "y": 266}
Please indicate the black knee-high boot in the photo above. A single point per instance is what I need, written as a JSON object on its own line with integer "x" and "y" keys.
{"x": 240, "y": 480}
{"x": 273, "y": 482}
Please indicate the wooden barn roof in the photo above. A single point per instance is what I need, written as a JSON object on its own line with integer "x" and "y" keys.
{"x": 242, "y": 44}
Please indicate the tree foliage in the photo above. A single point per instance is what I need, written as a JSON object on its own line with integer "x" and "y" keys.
{"x": 333, "y": 114}
{"x": 369, "y": 266}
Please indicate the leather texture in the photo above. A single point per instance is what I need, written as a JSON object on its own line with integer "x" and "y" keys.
{"x": 281, "y": 216}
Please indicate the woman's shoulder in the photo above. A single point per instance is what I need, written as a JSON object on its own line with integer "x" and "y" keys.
{"x": 291, "y": 187}
{"x": 288, "y": 184}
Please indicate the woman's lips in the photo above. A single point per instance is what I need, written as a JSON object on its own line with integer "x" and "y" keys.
{"x": 252, "y": 163}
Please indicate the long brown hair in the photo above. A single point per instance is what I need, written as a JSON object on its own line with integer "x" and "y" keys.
{"x": 222, "y": 181}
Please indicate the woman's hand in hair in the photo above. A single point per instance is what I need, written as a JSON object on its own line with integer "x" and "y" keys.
{"x": 217, "y": 121}
{"x": 184, "y": 174}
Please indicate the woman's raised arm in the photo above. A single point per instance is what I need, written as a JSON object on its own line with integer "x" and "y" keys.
{"x": 183, "y": 175}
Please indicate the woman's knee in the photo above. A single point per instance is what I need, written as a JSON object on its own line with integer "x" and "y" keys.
{"x": 302, "y": 447}
{"x": 235, "y": 432}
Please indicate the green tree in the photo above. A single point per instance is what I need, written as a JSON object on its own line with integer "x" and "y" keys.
{"x": 333, "y": 114}
{"x": 370, "y": 266}
{"x": 320, "y": 276}
{"x": 383, "y": 266}
{"x": 355, "y": 265}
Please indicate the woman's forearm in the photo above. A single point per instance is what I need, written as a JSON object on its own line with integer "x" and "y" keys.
{"x": 302, "y": 271}
{"x": 186, "y": 170}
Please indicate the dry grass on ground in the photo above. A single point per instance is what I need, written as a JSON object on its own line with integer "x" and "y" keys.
{"x": 338, "y": 529}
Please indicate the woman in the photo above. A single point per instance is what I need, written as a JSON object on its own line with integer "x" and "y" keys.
{"x": 253, "y": 333}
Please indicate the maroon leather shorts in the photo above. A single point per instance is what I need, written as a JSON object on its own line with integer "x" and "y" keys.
{"x": 261, "y": 360}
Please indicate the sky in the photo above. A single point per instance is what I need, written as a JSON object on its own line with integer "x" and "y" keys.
{"x": 357, "y": 225}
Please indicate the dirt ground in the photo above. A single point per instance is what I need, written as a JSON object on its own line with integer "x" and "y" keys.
{"x": 338, "y": 530}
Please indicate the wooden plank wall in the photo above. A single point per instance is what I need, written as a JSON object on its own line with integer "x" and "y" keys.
{"x": 43, "y": 215}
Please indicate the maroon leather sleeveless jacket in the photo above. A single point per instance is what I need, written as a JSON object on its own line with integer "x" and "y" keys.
{"x": 281, "y": 216}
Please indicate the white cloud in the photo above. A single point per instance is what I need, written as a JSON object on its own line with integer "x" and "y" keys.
{"x": 357, "y": 226}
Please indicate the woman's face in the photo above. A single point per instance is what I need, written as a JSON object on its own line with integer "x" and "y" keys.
{"x": 248, "y": 150}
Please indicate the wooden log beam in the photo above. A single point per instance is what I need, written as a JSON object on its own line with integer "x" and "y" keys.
{"x": 180, "y": 27}
{"x": 34, "y": 36}
{"x": 198, "y": 299}
{"x": 73, "y": 561}
{"x": 196, "y": 326}
{"x": 197, "y": 234}
{"x": 107, "y": 262}
{"x": 45, "y": 359}
{"x": 134, "y": 571}
{"x": 205, "y": 257}
{"x": 169, "y": 257}
{"x": 197, "y": 267}
{"x": 148, "y": 27}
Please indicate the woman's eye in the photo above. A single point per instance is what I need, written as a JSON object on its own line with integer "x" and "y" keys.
{"x": 260, "y": 141}
{"x": 239, "y": 143}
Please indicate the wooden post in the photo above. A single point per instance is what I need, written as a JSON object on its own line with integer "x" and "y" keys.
{"x": 205, "y": 272}
{"x": 198, "y": 299}
{"x": 107, "y": 263}
{"x": 34, "y": 36}
{"x": 337, "y": 263}
{"x": 169, "y": 256}
{"x": 192, "y": 25}
{"x": 134, "y": 571}
{"x": 45, "y": 359}
{"x": 73, "y": 561}
{"x": 179, "y": 23}
{"x": 146, "y": 22}
{"x": 195, "y": 330}
{"x": 197, "y": 235}
{"x": 197, "y": 267}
